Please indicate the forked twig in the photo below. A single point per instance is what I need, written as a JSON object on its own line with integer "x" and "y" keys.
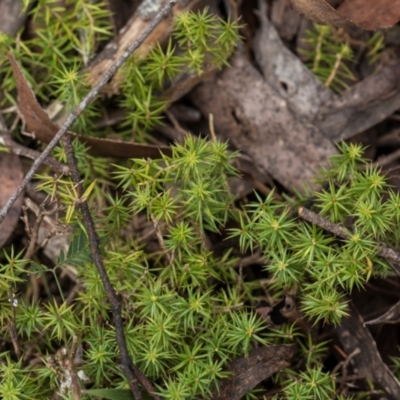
{"x": 84, "y": 103}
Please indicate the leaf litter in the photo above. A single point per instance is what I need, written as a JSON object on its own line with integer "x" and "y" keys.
{"x": 274, "y": 110}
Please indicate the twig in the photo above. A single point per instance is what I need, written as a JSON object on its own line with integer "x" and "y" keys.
{"x": 130, "y": 370}
{"x": 15, "y": 148}
{"x": 177, "y": 126}
{"x": 42, "y": 215}
{"x": 322, "y": 222}
{"x": 255, "y": 258}
{"x": 84, "y": 103}
{"x": 211, "y": 127}
{"x": 12, "y": 329}
{"x": 391, "y": 255}
{"x": 344, "y": 364}
{"x": 23, "y": 151}
{"x": 334, "y": 71}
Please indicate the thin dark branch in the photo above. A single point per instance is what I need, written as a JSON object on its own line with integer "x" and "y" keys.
{"x": 19, "y": 150}
{"x": 130, "y": 370}
{"x": 322, "y": 222}
{"x": 389, "y": 254}
{"x": 84, "y": 103}
{"x": 23, "y": 151}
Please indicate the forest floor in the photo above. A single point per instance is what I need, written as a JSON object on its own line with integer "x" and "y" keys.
{"x": 303, "y": 77}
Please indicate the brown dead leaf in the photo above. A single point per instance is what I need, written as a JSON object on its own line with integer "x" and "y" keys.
{"x": 362, "y": 106}
{"x": 44, "y": 129}
{"x": 352, "y": 14}
{"x": 37, "y": 121}
{"x": 321, "y": 12}
{"x": 11, "y": 176}
{"x": 284, "y": 118}
{"x": 371, "y": 14}
{"x": 339, "y": 117}
{"x": 256, "y": 120}
{"x": 248, "y": 372}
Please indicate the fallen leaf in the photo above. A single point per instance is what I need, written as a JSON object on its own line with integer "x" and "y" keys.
{"x": 252, "y": 115}
{"x": 248, "y": 372}
{"x": 11, "y": 176}
{"x": 362, "y": 106}
{"x": 256, "y": 112}
{"x": 286, "y": 73}
{"x": 371, "y": 14}
{"x": 39, "y": 124}
{"x": 120, "y": 149}
{"x": 321, "y": 12}
{"x": 357, "y": 340}
{"x": 352, "y": 14}
{"x": 339, "y": 117}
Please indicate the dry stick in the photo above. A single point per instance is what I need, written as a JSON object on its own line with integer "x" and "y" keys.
{"x": 131, "y": 372}
{"x": 23, "y": 151}
{"x": 386, "y": 252}
{"x": 84, "y": 103}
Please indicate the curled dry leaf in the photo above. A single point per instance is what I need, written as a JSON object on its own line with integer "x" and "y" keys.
{"x": 11, "y": 176}
{"x": 44, "y": 129}
{"x": 365, "y": 14}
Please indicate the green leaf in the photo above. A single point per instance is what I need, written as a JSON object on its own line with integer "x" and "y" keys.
{"x": 78, "y": 252}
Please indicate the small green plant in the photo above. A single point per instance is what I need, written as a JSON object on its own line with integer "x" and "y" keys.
{"x": 328, "y": 57}
{"x": 304, "y": 258}
{"x": 66, "y": 39}
{"x": 376, "y": 45}
{"x": 199, "y": 41}
{"x": 187, "y": 313}
{"x": 184, "y": 314}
